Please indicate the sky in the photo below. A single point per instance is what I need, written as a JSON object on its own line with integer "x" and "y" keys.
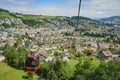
{"x": 89, "y": 8}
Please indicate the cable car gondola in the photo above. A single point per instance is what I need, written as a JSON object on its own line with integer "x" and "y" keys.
{"x": 32, "y": 62}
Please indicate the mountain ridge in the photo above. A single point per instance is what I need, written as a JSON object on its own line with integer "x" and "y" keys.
{"x": 39, "y": 20}
{"x": 9, "y": 19}
{"x": 111, "y": 20}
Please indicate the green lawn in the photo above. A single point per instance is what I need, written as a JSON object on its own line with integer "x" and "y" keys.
{"x": 72, "y": 62}
{"x": 90, "y": 26}
{"x": 5, "y": 15}
{"x": 35, "y": 17}
{"x": 9, "y": 73}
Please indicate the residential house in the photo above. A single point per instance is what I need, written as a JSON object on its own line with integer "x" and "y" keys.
{"x": 2, "y": 58}
{"x": 11, "y": 41}
{"x": 76, "y": 34}
{"x": 67, "y": 44}
{"x": 65, "y": 58}
{"x": 43, "y": 56}
{"x": 106, "y": 55}
{"x": 117, "y": 47}
{"x": 93, "y": 51}
{"x": 77, "y": 42}
{"x": 2, "y": 44}
{"x": 103, "y": 46}
{"x": 33, "y": 46}
{"x": 66, "y": 53}
{"x": 78, "y": 48}
{"x": 116, "y": 57}
{"x": 92, "y": 44}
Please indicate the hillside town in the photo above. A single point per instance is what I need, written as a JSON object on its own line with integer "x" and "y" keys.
{"x": 45, "y": 47}
{"x": 59, "y": 40}
{"x": 47, "y": 41}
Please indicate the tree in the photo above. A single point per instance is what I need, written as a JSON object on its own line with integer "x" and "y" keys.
{"x": 83, "y": 69}
{"x": 55, "y": 70}
{"x": 52, "y": 75}
{"x": 22, "y": 52}
{"x": 87, "y": 51}
{"x": 78, "y": 75}
{"x": 15, "y": 58}
{"x": 107, "y": 71}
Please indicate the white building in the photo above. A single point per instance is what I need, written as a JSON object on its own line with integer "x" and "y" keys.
{"x": 2, "y": 58}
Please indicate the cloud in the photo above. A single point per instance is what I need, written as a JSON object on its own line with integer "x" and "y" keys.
{"x": 100, "y": 12}
{"x": 105, "y": 7}
{"x": 89, "y": 8}
{"x": 45, "y": 10}
{"x": 104, "y": 4}
{"x": 21, "y": 2}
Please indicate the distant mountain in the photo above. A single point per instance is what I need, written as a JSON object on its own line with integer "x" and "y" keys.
{"x": 8, "y": 19}
{"x": 3, "y": 10}
{"x": 111, "y": 20}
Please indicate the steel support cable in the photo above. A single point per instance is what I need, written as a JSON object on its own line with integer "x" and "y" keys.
{"x": 78, "y": 17}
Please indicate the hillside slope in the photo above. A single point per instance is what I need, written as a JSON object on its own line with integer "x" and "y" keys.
{"x": 8, "y": 19}
{"x": 9, "y": 73}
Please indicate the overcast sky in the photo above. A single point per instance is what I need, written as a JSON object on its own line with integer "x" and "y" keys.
{"x": 90, "y": 8}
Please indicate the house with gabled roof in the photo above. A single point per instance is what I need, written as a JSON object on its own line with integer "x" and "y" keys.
{"x": 106, "y": 55}
{"x": 78, "y": 48}
{"x": 43, "y": 56}
{"x": 93, "y": 51}
{"x": 116, "y": 57}
{"x": 103, "y": 46}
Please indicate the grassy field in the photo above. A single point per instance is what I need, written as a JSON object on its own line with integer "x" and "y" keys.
{"x": 90, "y": 26}
{"x": 5, "y": 15}
{"x": 9, "y": 73}
{"x": 73, "y": 62}
{"x": 34, "y": 16}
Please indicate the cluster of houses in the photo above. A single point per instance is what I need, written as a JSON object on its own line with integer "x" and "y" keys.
{"x": 79, "y": 45}
{"x": 107, "y": 54}
{"x": 52, "y": 40}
